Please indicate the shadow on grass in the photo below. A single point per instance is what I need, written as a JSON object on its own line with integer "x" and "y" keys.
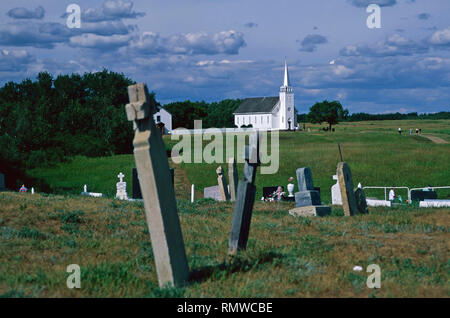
{"x": 232, "y": 265}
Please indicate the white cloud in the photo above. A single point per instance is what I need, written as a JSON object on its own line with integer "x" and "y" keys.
{"x": 441, "y": 37}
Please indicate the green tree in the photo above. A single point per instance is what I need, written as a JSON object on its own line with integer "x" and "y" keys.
{"x": 329, "y": 112}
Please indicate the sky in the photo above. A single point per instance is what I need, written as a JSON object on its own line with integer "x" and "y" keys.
{"x": 216, "y": 49}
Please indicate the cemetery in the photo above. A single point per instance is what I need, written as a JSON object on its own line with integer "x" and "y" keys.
{"x": 175, "y": 233}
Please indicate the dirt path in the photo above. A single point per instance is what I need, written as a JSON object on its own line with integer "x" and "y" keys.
{"x": 436, "y": 140}
{"x": 182, "y": 184}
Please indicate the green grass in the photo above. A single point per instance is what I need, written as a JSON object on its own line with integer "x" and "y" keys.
{"x": 286, "y": 256}
{"x": 375, "y": 152}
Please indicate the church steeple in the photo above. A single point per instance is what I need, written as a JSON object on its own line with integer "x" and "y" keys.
{"x": 287, "y": 83}
{"x": 286, "y": 75}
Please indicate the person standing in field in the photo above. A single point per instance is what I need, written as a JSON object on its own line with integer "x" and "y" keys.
{"x": 400, "y": 131}
{"x": 392, "y": 195}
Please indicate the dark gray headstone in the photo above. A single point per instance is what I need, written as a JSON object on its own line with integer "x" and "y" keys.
{"x": 307, "y": 198}
{"x": 245, "y": 199}
{"x": 305, "y": 180}
{"x": 361, "y": 203}
{"x": 2, "y": 182}
{"x": 137, "y": 194}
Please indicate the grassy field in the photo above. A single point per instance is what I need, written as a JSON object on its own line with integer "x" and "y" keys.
{"x": 41, "y": 235}
{"x": 375, "y": 152}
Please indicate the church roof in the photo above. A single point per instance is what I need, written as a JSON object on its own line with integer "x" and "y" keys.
{"x": 257, "y": 105}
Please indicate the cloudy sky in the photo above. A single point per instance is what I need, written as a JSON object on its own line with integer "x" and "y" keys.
{"x": 216, "y": 49}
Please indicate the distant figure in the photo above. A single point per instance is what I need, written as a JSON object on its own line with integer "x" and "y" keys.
{"x": 410, "y": 132}
{"x": 420, "y": 130}
{"x": 392, "y": 195}
{"x": 417, "y": 130}
{"x": 429, "y": 188}
{"x": 23, "y": 189}
{"x": 400, "y": 131}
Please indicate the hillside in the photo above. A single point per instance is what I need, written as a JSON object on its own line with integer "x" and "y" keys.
{"x": 286, "y": 256}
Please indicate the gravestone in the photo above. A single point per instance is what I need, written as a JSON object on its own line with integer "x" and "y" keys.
{"x": 136, "y": 187}
{"x": 121, "y": 187}
{"x": 420, "y": 195}
{"x": 233, "y": 178}
{"x": 307, "y": 200}
{"x": 157, "y": 190}
{"x": 307, "y": 195}
{"x": 346, "y": 186}
{"x": 336, "y": 198}
{"x": 2, "y": 182}
{"x": 245, "y": 199}
{"x": 137, "y": 194}
{"x": 223, "y": 187}
{"x": 212, "y": 193}
{"x": 361, "y": 201}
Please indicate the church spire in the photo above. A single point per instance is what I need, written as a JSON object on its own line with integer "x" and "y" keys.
{"x": 286, "y": 75}
{"x": 286, "y": 88}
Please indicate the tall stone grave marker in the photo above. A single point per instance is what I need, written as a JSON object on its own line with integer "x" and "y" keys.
{"x": 157, "y": 190}
{"x": 233, "y": 178}
{"x": 222, "y": 181}
{"x": 245, "y": 199}
{"x": 346, "y": 187}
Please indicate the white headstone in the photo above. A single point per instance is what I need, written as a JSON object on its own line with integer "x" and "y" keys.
{"x": 32, "y": 190}
{"x": 336, "y": 197}
{"x": 192, "y": 193}
{"x": 121, "y": 186}
{"x": 85, "y": 188}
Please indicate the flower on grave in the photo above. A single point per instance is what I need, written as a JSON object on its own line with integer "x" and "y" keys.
{"x": 291, "y": 179}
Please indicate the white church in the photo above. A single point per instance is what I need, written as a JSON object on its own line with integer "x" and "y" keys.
{"x": 271, "y": 113}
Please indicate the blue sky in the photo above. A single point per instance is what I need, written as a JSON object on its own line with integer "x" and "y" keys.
{"x": 216, "y": 49}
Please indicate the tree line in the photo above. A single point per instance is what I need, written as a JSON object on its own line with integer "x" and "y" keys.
{"x": 49, "y": 120}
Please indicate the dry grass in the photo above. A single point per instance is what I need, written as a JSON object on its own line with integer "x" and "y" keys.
{"x": 286, "y": 256}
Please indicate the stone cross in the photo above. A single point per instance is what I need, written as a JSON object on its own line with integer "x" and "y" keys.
{"x": 346, "y": 187}
{"x": 121, "y": 176}
{"x": 233, "y": 178}
{"x": 245, "y": 199}
{"x": 157, "y": 190}
{"x": 222, "y": 184}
